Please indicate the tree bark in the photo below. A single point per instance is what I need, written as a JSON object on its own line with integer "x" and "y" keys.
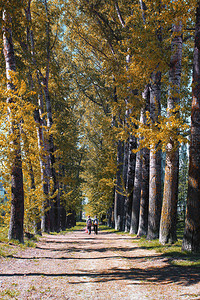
{"x": 136, "y": 195}
{"x": 17, "y": 190}
{"x": 45, "y": 219}
{"x": 119, "y": 192}
{"x": 144, "y": 200}
{"x": 155, "y": 163}
{"x": 191, "y": 239}
{"x": 170, "y": 196}
{"x": 35, "y": 211}
{"x": 130, "y": 182}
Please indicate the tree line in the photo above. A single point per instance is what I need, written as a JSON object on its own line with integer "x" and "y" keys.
{"x": 97, "y": 103}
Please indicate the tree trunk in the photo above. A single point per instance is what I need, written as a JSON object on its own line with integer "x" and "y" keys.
{"x": 45, "y": 219}
{"x": 63, "y": 219}
{"x": 130, "y": 182}
{"x": 155, "y": 163}
{"x": 191, "y": 239}
{"x": 119, "y": 192}
{"x": 110, "y": 217}
{"x": 71, "y": 219}
{"x": 155, "y": 198}
{"x": 136, "y": 195}
{"x": 144, "y": 200}
{"x": 170, "y": 196}
{"x": 17, "y": 190}
{"x": 35, "y": 212}
{"x": 183, "y": 180}
{"x": 125, "y": 162}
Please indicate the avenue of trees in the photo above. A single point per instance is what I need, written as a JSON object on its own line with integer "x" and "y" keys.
{"x": 100, "y": 100}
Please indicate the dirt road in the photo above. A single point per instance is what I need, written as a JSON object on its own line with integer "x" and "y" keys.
{"x": 106, "y": 266}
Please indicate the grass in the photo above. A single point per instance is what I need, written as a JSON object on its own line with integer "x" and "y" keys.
{"x": 105, "y": 228}
{"x": 82, "y": 225}
{"x": 3, "y": 234}
{"x": 165, "y": 249}
{"x": 173, "y": 251}
{"x": 79, "y": 226}
{"x": 8, "y": 247}
{"x": 9, "y": 294}
{"x": 4, "y": 243}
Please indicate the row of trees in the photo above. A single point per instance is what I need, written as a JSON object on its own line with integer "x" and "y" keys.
{"x": 40, "y": 155}
{"x": 142, "y": 51}
{"x": 104, "y": 89}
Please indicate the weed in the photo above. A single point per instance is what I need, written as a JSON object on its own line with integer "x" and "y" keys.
{"x": 32, "y": 288}
{"x": 10, "y": 293}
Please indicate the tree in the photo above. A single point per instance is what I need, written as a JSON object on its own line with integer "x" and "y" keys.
{"x": 155, "y": 162}
{"x": 170, "y": 198}
{"x": 144, "y": 197}
{"x": 17, "y": 200}
{"x": 132, "y": 145}
{"x": 191, "y": 239}
{"x": 136, "y": 194}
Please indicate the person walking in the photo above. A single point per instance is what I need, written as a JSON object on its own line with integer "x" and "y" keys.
{"x": 95, "y": 224}
{"x": 89, "y": 224}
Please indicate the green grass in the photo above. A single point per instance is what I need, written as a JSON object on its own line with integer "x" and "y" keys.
{"x": 82, "y": 225}
{"x": 105, "y": 228}
{"x": 3, "y": 234}
{"x": 173, "y": 251}
{"x": 9, "y": 294}
{"x": 4, "y": 243}
{"x": 8, "y": 247}
{"x": 165, "y": 249}
{"x": 79, "y": 226}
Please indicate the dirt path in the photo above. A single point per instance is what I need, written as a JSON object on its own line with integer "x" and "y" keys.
{"x": 106, "y": 266}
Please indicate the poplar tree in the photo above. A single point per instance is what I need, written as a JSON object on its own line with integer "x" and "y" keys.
{"x": 191, "y": 239}
{"x": 170, "y": 197}
{"x": 17, "y": 194}
{"x": 144, "y": 186}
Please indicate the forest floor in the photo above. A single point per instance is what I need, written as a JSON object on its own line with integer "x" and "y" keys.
{"x": 104, "y": 266}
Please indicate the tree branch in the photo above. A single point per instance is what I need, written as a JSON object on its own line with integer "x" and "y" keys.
{"x": 119, "y": 14}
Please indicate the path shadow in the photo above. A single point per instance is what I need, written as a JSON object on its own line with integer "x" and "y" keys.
{"x": 98, "y": 237}
{"x": 63, "y": 258}
{"x": 87, "y": 249}
{"x": 183, "y": 276}
{"x": 141, "y": 258}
